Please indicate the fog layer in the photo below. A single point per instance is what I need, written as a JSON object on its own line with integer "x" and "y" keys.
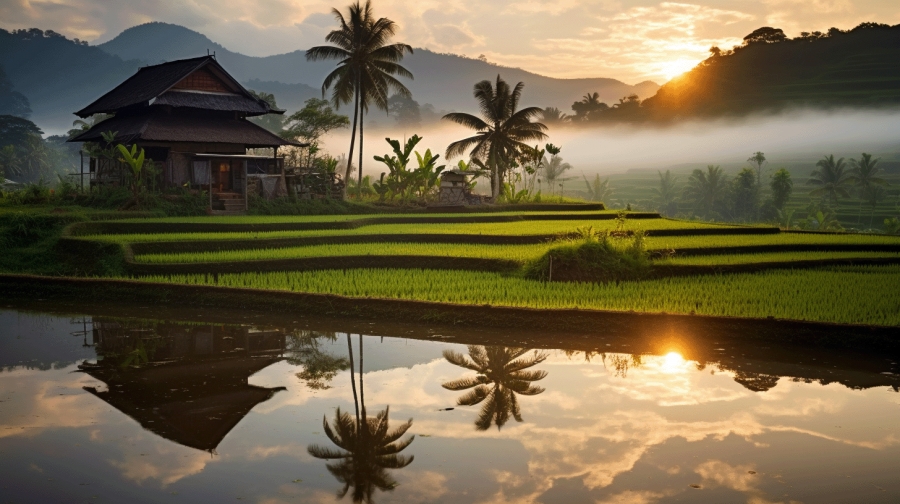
{"x": 798, "y": 136}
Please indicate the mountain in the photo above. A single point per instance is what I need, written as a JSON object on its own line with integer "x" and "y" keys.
{"x": 443, "y": 80}
{"x": 57, "y": 75}
{"x": 855, "y": 68}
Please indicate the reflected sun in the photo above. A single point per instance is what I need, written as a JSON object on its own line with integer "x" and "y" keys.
{"x": 672, "y": 362}
{"x": 674, "y": 68}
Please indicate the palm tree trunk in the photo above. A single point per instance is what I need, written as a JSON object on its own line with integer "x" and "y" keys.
{"x": 353, "y": 380}
{"x": 352, "y": 140}
{"x": 362, "y": 397}
{"x": 362, "y": 117}
{"x": 859, "y": 214}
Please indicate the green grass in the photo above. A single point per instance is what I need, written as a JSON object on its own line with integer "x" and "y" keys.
{"x": 486, "y": 228}
{"x": 680, "y": 242}
{"x": 520, "y": 253}
{"x": 282, "y": 219}
{"x": 858, "y": 295}
{"x": 723, "y": 259}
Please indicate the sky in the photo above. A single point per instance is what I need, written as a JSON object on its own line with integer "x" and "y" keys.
{"x": 630, "y": 40}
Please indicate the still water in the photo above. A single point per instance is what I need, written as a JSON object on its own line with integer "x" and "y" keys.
{"x": 107, "y": 405}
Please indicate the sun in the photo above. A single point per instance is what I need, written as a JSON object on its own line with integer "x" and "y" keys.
{"x": 674, "y": 68}
{"x": 672, "y": 362}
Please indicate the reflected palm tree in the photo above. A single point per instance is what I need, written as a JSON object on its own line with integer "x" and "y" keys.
{"x": 501, "y": 375}
{"x": 621, "y": 363}
{"x": 368, "y": 447}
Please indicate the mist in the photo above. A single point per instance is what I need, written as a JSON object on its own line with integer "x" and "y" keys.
{"x": 791, "y": 137}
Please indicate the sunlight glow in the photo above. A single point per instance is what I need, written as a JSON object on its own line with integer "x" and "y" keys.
{"x": 672, "y": 69}
{"x": 672, "y": 362}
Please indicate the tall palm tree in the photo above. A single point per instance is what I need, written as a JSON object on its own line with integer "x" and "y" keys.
{"x": 501, "y": 375}
{"x": 501, "y": 134}
{"x": 706, "y": 189}
{"x": 665, "y": 193}
{"x": 864, "y": 175}
{"x": 368, "y": 447}
{"x": 35, "y": 157}
{"x": 830, "y": 178}
{"x": 366, "y": 67}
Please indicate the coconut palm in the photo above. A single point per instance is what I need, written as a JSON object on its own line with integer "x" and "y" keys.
{"x": 554, "y": 168}
{"x": 501, "y": 134}
{"x": 830, "y": 178}
{"x": 552, "y": 115}
{"x": 35, "y": 160}
{"x": 864, "y": 175}
{"x": 501, "y": 375}
{"x": 665, "y": 193}
{"x": 366, "y": 67}
{"x": 706, "y": 189}
{"x": 367, "y": 445}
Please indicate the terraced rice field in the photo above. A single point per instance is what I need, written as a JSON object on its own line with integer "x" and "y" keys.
{"x": 841, "y": 295}
{"x": 703, "y": 268}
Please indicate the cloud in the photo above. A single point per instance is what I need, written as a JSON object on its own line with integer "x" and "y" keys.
{"x": 631, "y": 40}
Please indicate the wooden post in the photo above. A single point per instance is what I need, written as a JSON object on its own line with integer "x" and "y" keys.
{"x": 209, "y": 170}
{"x": 246, "y": 187}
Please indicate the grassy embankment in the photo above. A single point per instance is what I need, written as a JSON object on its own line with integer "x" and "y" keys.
{"x": 695, "y": 268}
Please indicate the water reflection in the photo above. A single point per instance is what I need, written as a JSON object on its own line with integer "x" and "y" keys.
{"x": 501, "y": 375}
{"x": 188, "y": 384}
{"x": 368, "y": 446}
{"x": 305, "y": 349}
{"x": 627, "y": 421}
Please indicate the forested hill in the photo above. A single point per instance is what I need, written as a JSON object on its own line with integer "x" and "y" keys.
{"x": 443, "y": 80}
{"x": 854, "y": 68}
{"x": 59, "y": 76}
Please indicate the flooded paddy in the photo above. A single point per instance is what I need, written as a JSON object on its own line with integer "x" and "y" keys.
{"x": 102, "y": 403}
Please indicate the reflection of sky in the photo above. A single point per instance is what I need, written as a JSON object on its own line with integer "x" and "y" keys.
{"x": 593, "y": 436}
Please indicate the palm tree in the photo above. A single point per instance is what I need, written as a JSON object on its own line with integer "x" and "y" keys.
{"x": 368, "y": 447}
{"x": 500, "y": 136}
{"x": 367, "y": 65}
{"x": 554, "y": 168}
{"x": 830, "y": 179}
{"x": 706, "y": 189}
{"x": 366, "y": 452}
{"x": 9, "y": 162}
{"x": 599, "y": 189}
{"x": 552, "y": 115}
{"x": 864, "y": 175}
{"x": 501, "y": 375}
{"x": 665, "y": 193}
{"x": 35, "y": 159}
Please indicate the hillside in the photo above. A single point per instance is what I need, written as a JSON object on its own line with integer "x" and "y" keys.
{"x": 443, "y": 80}
{"x": 855, "y": 68}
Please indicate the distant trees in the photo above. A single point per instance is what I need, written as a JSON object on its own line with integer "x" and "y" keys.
{"x": 271, "y": 122}
{"x": 500, "y": 132}
{"x": 367, "y": 65}
{"x": 706, "y": 190}
{"x": 552, "y": 116}
{"x": 12, "y": 102}
{"x": 405, "y": 111}
{"x": 588, "y": 106}
{"x": 765, "y": 35}
{"x": 870, "y": 187}
{"x": 830, "y": 179}
{"x": 782, "y": 186}
{"x": 665, "y": 193}
{"x": 745, "y": 195}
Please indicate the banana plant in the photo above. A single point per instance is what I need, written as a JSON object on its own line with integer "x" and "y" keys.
{"x": 427, "y": 175}
{"x": 135, "y": 160}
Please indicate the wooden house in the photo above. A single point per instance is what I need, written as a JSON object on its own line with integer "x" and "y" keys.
{"x": 190, "y": 117}
{"x": 194, "y": 387}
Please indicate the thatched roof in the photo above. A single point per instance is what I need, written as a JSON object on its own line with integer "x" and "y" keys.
{"x": 154, "y": 83}
{"x": 158, "y": 126}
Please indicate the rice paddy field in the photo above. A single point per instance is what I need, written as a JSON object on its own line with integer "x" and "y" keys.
{"x": 708, "y": 269}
